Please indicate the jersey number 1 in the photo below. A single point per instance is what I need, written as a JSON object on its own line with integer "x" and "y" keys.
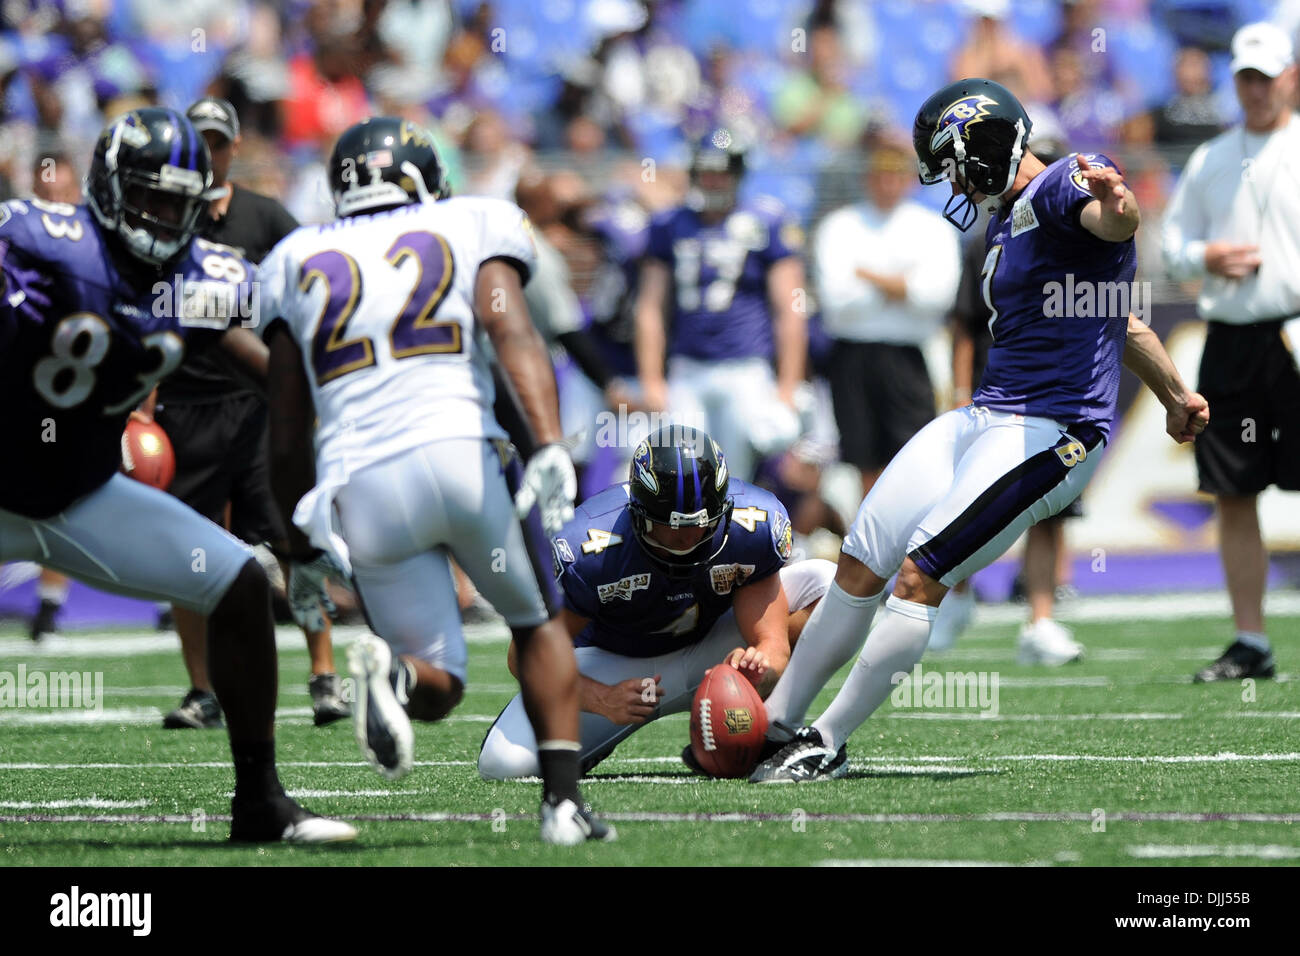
{"x": 414, "y": 332}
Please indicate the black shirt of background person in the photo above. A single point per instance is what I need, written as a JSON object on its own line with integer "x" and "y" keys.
{"x": 252, "y": 225}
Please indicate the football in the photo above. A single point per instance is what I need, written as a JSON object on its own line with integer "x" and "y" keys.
{"x": 147, "y": 454}
{"x": 728, "y": 723}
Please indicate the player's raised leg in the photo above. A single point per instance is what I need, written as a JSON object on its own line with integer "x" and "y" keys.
{"x": 988, "y": 507}
{"x": 874, "y": 549}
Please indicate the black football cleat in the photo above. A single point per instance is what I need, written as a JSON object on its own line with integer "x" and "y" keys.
{"x": 379, "y": 718}
{"x": 805, "y": 758}
{"x": 1237, "y": 662}
{"x": 198, "y": 711}
{"x": 281, "y": 820}
{"x": 564, "y": 823}
{"x": 44, "y": 622}
{"x": 327, "y": 703}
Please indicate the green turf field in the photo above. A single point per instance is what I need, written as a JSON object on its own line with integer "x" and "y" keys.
{"x": 1116, "y": 760}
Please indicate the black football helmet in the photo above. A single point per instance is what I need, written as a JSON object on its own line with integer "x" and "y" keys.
{"x": 679, "y": 478}
{"x": 975, "y": 130}
{"x": 383, "y": 162}
{"x": 719, "y": 150}
{"x": 148, "y": 182}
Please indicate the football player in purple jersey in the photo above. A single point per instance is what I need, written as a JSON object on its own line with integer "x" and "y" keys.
{"x": 973, "y": 480}
{"x": 99, "y": 302}
{"x": 721, "y": 298}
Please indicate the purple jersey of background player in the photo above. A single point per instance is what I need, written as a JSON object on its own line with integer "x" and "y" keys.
{"x": 622, "y": 228}
{"x": 635, "y": 608}
{"x": 718, "y": 273}
{"x": 83, "y": 343}
{"x": 1065, "y": 367}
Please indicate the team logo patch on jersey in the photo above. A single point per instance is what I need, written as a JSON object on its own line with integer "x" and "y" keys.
{"x": 782, "y": 536}
{"x": 623, "y": 587}
{"x": 644, "y": 473}
{"x": 738, "y": 719}
{"x": 957, "y": 117}
{"x": 1076, "y": 175}
{"x": 727, "y": 576}
{"x": 1022, "y": 216}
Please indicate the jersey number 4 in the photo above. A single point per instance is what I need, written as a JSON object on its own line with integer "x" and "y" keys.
{"x": 414, "y": 332}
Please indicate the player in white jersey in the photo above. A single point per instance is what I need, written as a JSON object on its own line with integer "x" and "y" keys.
{"x": 372, "y": 323}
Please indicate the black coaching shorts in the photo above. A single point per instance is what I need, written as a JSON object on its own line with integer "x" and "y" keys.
{"x": 882, "y": 397}
{"x": 221, "y": 456}
{"x": 1253, "y": 387}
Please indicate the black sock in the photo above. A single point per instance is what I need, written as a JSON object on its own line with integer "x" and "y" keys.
{"x": 255, "y": 774}
{"x": 560, "y": 773}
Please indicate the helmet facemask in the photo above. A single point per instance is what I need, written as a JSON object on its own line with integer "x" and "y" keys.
{"x": 154, "y": 213}
{"x": 683, "y": 562}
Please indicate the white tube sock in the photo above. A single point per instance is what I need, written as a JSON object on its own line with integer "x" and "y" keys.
{"x": 895, "y": 645}
{"x": 834, "y": 633}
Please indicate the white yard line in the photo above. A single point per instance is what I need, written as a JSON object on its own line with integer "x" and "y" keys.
{"x": 89, "y": 803}
{"x": 1160, "y": 851}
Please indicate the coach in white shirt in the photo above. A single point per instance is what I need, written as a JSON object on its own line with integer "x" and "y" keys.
{"x": 1234, "y": 220}
{"x": 887, "y": 274}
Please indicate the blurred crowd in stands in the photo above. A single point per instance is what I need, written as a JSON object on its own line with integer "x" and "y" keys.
{"x": 575, "y": 83}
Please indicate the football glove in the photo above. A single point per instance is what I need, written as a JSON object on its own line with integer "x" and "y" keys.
{"x": 309, "y": 601}
{"x": 549, "y": 483}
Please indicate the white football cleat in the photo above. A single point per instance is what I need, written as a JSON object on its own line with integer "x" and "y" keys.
{"x": 379, "y": 717}
{"x": 567, "y": 824}
{"x": 1046, "y": 642}
{"x": 319, "y": 830}
{"x": 955, "y": 613}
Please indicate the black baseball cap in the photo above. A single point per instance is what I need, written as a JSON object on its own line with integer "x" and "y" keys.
{"x": 215, "y": 114}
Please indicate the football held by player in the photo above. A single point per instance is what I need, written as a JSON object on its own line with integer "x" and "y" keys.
{"x": 371, "y": 321}
{"x": 970, "y": 483}
{"x": 88, "y": 325}
{"x": 675, "y": 571}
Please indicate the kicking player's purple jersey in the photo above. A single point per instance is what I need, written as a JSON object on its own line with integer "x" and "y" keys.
{"x": 82, "y": 344}
{"x": 635, "y": 608}
{"x": 1060, "y": 299}
{"x": 719, "y": 277}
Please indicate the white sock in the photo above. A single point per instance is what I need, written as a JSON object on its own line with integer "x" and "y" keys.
{"x": 56, "y": 593}
{"x": 895, "y": 645}
{"x": 834, "y": 633}
{"x": 1252, "y": 639}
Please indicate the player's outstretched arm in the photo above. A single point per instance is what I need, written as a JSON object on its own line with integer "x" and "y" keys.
{"x": 548, "y": 481}
{"x": 651, "y": 338}
{"x": 785, "y": 282}
{"x": 1113, "y": 214}
{"x": 1186, "y": 412}
{"x": 763, "y": 617}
